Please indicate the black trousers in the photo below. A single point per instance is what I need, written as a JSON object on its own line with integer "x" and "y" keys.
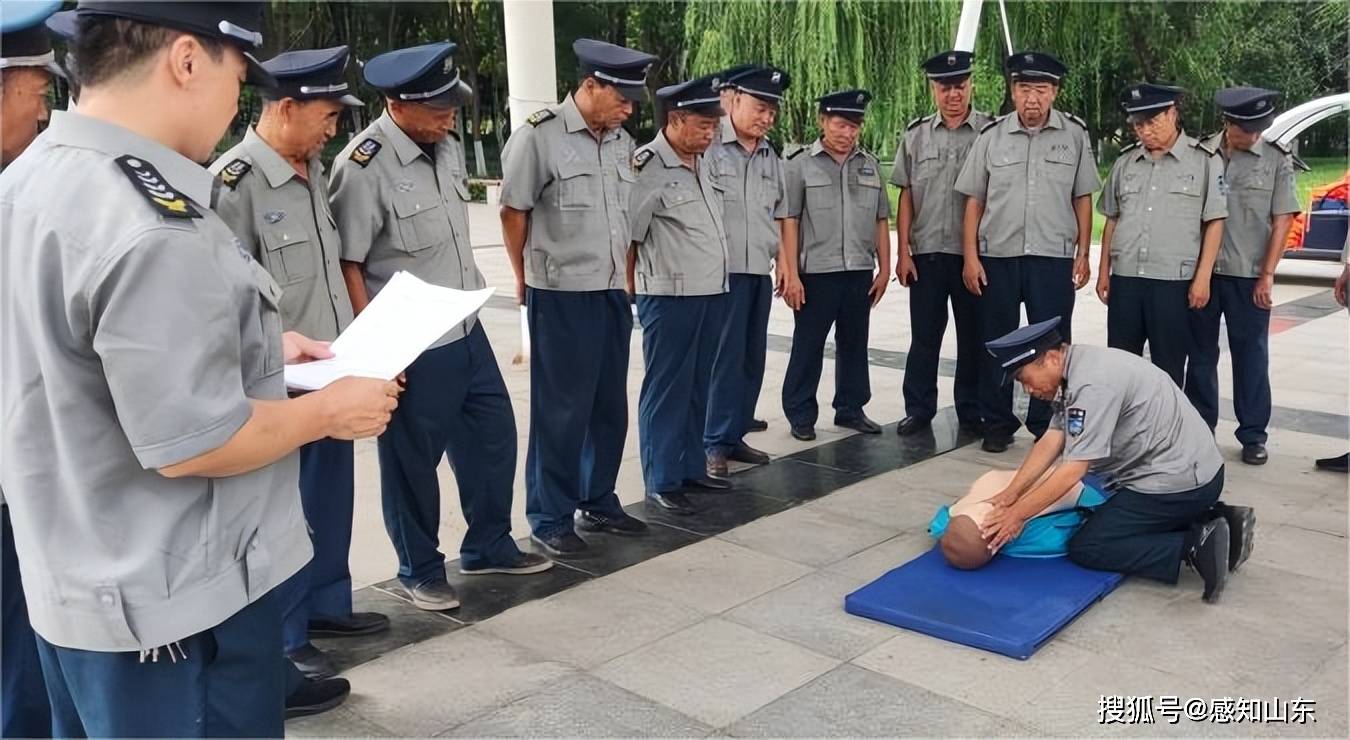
{"x": 1249, "y": 349}
{"x": 837, "y": 299}
{"x": 1045, "y": 286}
{"x": 1144, "y": 534}
{"x": 939, "y": 282}
{"x": 1140, "y": 310}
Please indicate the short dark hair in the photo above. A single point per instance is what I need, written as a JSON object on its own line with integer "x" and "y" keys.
{"x": 108, "y": 47}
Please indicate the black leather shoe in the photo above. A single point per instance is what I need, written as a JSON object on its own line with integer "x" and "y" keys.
{"x": 859, "y": 423}
{"x": 716, "y": 465}
{"x": 1209, "y": 557}
{"x": 563, "y": 543}
{"x": 1338, "y": 464}
{"x": 1241, "y": 532}
{"x": 974, "y": 426}
{"x": 805, "y": 432}
{"x": 708, "y": 484}
{"x": 523, "y": 564}
{"x": 1254, "y": 454}
{"x": 622, "y": 524}
{"x": 352, "y": 625}
{"x": 316, "y": 697}
{"x": 312, "y": 662}
{"x": 743, "y": 452}
{"x": 757, "y": 425}
{"x": 673, "y": 502}
{"x": 997, "y": 443}
{"x": 912, "y": 425}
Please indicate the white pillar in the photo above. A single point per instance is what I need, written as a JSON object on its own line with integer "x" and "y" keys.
{"x": 531, "y": 75}
{"x": 968, "y": 25}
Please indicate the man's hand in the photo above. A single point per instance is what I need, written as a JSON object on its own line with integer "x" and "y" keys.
{"x": 1082, "y": 271}
{"x": 1262, "y": 294}
{"x": 972, "y": 274}
{"x": 878, "y": 288}
{"x": 1338, "y": 291}
{"x": 297, "y": 348}
{"x": 790, "y": 288}
{"x": 1103, "y": 287}
{"x": 1198, "y": 295}
{"x": 1001, "y": 527}
{"x": 1003, "y": 499}
{"x": 355, "y": 408}
{"x": 905, "y": 271}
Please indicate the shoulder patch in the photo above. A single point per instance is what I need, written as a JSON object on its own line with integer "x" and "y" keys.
{"x": 641, "y": 158}
{"x": 1081, "y": 123}
{"x": 229, "y": 177}
{"x": 365, "y": 151}
{"x": 540, "y": 116}
{"x": 992, "y": 123}
{"x": 164, "y": 199}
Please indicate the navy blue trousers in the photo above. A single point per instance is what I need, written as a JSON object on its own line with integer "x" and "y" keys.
{"x": 1248, "y": 348}
{"x": 1144, "y": 534}
{"x": 1140, "y": 310}
{"x": 232, "y": 684}
{"x": 323, "y": 588}
{"x": 1045, "y": 286}
{"x": 455, "y": 405}
{"x": 838, "y": 300}
{"x": 939, "y": 283}
{"x": 24, "y": 711}
{"x": 679, "y": 340}
{"x": 738, "y": 365}
{"x": 578, "y": 404}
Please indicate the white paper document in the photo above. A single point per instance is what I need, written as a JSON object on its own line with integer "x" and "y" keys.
{"x": 405, "y": 318}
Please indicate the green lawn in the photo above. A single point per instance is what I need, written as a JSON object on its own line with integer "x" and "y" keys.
{"x": 1324, "y": 170}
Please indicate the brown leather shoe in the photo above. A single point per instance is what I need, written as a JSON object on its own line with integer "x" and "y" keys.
{"x": 717, "y": 465}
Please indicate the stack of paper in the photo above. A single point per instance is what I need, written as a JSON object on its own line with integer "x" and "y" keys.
{"x": 406, "y": 316}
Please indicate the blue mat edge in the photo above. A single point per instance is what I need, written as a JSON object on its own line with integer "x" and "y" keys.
{"x": 987, "y": 642}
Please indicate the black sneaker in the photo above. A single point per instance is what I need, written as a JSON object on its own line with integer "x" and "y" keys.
{"x": 316, "y": 697}
{"x": 620, "y": 524}
{"x": 1209, "y": 557}
{"x": 523, "y": 564}
{"x": 1241, "y": 532}
{"x": 562, "y": 543}
{"x": 433, "y": 596}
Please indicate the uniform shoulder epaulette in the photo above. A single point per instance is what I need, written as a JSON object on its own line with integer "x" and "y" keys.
{"x": 365, "y": 151}
{"x": 916, "y": 122}
{"x": 540, "y": 116}
{"x": 1204, "y": 147}
{"x": 231, "y": 174}
{"x": 798, "y": 153}
{"x": 1130, "y": 147}
{"x": 996, "y": 120}
{"x": 641, "y": 158}
{"x": 148, "y": 182}
{"x": 1081, "y": 123}
{"x": 777, "y": 149}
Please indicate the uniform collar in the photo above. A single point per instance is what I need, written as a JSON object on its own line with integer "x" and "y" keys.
{"x": 80, "y": 131}
{"x": 936, "y": 123}
{"x": 574, "y": 122}
{"x": 665, "y": 151}
{"x": 1013, "y": 122}
{"x": 274, "y": 166}
{"x": 818, "y": 148}
{"x": 728, "y": 130}
{"x": 1258, "y": 149}
{"x": 406, "y": 149}
{"x": 1177, "y": 149}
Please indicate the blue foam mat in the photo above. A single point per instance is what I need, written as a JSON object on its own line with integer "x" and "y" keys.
{"x": 1011, "y": 606}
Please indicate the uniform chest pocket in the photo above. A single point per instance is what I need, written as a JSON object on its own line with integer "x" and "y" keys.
{"x": 1129, "y": 189}
{"x": 422, "y": 222}
{"x": 866, "y": 191}
{"x": 727, "y": 178}
{"x": 678, "y": 201}
{"x": 821, "y": 192}
{"x": 1007, "y": 165}
{"x": 1060, "y": 163}
{"x": 1185, "y": 191}
{"x": 290, "y": 255}
{"x": 578, "y": 186}
{"x": 927, "y": 167}
{"x": 1255, "y": 180}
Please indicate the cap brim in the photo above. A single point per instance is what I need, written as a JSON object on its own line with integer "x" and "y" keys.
{"x": 257, "y": 75}
{"x": 634, "y": 93}
{"x": 351, "y": 101}
{"x": 459, "y": 95}
{"x": 1254, "y": 126}
{"x": 1144, "y": 115}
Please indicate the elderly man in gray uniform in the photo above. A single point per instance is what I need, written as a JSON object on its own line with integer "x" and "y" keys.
{"x": 838, "y": 215}
{"x": 1028, "y": 225}
{"x": 1261, "y": 207}
{"x": 399, "y": 194}
{"x": 927, "y": 162}
{"x": 566, "y": 178}
{"x": 754, "y": 196}
{"x": 148, "y": 442}
{"x": 1125, "y": 421}
{"x": 677, "y": 267}
{"x": 1164, "y": 205}
{"x": 274, "y": 196}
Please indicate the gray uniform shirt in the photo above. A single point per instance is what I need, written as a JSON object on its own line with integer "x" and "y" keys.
{"x": 677, "y": 225}
{"x": 1132, "y": 423}
{"x": 1260, "y": 186}
{"x": 398, "y": 210}
{"x": 838, "y": 206}
{"x": 927, "y": 162}
{"x": 576, "y": 190}
{"x": 1027, "y": 181}
{"x": 1160, "y": 206}
{"x": 134, "y": 334}
{"x": 284, "y": 222}
{"x": 754, "y": 195}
